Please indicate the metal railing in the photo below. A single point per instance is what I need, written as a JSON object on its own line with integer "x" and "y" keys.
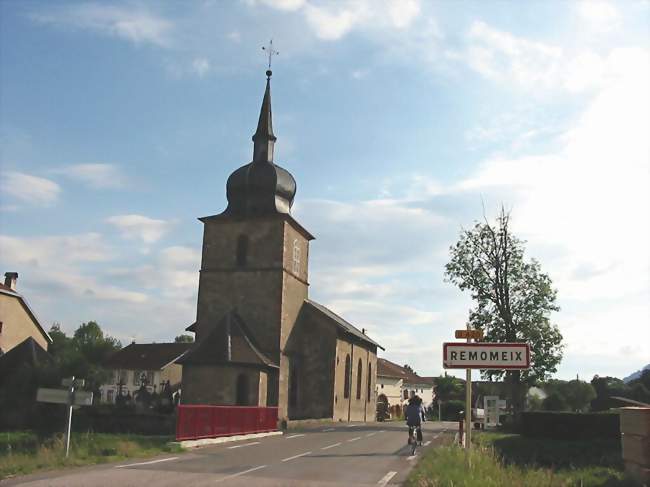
{"x": 194, "y": 422}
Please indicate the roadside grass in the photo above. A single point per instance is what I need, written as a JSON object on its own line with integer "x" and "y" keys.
{"x": 499, "y": 459}
{"x": 23, "y": 452}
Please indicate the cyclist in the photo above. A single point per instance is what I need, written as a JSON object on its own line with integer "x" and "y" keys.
{"x": 414, "y": 415}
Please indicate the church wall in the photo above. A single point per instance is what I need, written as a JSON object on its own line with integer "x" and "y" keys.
{"x": 353, "y": 408}
{"x": 215, "y": 384}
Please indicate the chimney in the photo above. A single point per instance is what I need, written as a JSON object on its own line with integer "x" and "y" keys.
{"x": 10, "y": 280}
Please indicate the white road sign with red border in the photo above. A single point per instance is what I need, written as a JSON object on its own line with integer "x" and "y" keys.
{"x": 497, "y": 356}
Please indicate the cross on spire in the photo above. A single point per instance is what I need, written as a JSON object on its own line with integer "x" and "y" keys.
{"x": 271, "y": 52}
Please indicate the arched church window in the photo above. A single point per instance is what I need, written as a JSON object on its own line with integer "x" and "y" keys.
{"x": 348, "y": 372}
{"x": 359, "y": 376}
{"x": 296, "y": 257}
{"x": 242, "y": 390}
{"x": 369, "y": 381}
{"x": 242, "y": 250}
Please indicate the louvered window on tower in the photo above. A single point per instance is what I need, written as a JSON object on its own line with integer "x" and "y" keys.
{"x": 296, "y": 257}
{"x": 242, "y": 250}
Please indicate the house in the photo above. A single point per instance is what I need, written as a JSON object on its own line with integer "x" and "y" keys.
{"x": 396, "y": 385}
{"x": 151, "y": 364}
{"x": 260, "y": 340}
{"x": 17, "y": 319}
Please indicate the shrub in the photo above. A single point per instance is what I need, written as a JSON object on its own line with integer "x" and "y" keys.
{"x": 570, "y": 426}
{"x": 450, "y": 410}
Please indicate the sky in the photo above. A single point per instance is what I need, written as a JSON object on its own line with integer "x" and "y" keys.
{"x": 403, "y": 122}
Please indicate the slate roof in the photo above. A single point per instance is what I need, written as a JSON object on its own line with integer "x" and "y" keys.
{"x": 386, "y": 368}
{"x": 146, "y": 356}
{"x": 11, "y": 292}
{"x": 230, "y": 342}
{"x": 341, "y": 323}
{"x": 26, "y": 352}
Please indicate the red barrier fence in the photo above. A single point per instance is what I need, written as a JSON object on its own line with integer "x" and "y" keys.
{"x": 201, "y": 421}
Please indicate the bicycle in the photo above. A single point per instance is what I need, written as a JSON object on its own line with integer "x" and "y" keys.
{"x": 413, "y": 438}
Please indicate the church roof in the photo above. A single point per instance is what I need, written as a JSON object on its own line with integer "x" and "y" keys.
{"x": 146, "y": 356}
{"x": 386, "y": 368}
{"x": 342, "y": 324}
{"x": 261, "y": 187}
{"x": 230, "y": 342}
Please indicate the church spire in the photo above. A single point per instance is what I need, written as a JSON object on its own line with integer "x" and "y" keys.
{"x": 263, "y": 138}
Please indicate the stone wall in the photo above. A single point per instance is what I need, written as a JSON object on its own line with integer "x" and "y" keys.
{"x": 215, "y": 384}
{"x": 355, "y": 407}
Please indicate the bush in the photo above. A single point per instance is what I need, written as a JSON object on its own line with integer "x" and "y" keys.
{"x": 450, "y": 410}
{"x": 570, "y": 426}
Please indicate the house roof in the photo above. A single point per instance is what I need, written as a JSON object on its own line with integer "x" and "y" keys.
{"x": 6, "y": 290}
{"x": 341, "y": 323}
{"x": 146, "y": 356}
{"x": 27, "y": 352}
{"x": 230, "y": 342}
{"x": 386, "y": 368}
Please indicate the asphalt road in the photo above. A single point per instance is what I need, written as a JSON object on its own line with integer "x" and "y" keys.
{"x": 340, "y": 454}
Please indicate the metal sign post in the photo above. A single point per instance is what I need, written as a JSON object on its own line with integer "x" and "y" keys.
{"x": 468, "y": 400}
{"x": 70, "y": 398}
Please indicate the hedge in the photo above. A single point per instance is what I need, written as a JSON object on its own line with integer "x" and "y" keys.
{"x": 570, "y": 426}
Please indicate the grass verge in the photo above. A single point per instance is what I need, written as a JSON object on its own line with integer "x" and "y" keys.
{"x": 512, "y": 460}
{"x": 23, "y": 452}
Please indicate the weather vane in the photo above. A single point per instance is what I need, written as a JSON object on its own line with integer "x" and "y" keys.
{"x": 271, "y": 52}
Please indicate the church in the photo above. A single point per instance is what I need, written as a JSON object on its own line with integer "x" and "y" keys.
{"x": 259, "y": 339}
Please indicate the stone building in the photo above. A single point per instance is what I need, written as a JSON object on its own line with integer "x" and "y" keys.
{"x": 260, "y": 340}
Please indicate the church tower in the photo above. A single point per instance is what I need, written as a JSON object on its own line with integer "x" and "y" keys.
{"x": 254, "y": 260}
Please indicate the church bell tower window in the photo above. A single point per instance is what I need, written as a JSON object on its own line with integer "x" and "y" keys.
{"x": 242, "y": 250}
{"x": 296, "y": 257}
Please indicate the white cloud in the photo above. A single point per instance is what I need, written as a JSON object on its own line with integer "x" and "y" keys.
{"x": 200, "y": 67}
{"x": 137, "y": 25}
{"x": 288, "y": 5}
{"x": 599, "y": 15}
{"x": 331, "y": 24}
{"x": 403, "y": 12}
{"x": 42, "y": 251}
{"x": 139, "y": 227}
{"x": 29, "y": 189}
{"x": 98, "y": 176}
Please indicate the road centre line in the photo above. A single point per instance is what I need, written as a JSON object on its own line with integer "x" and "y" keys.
{"x": 330, "y": 446}
{"x": 146, "y": 463}
{"x": 351, "y": 425}
{"x": 245, "y": 444}
{"x": 240, "y": 473}
{"x": 294, "y": 436}
{"x": 386, "y": 478}
{"x": 371, "y": 434}
{"x": 297, "y": 456}
{"x": 354, "y": 439}
{"x": 329, "y": 429}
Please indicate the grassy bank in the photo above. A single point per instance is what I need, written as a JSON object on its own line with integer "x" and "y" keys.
{"x": 512, "y": 460}
{"x": 23, "y": 452}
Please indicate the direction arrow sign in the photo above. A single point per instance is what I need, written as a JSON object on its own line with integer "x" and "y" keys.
{"x": 474, "y": 334}
{"x": 62, "y": 396}
{"x": 496, "y": 356}
{"x": 67, "y": 382}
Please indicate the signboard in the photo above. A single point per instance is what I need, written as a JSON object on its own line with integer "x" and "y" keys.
{"x": 491, "y": 405}
{"x": 69, "y": 381}
{"x": 500, "y": 356}
{"x": 465, "y": 334}
{"x": 62, "y": 396}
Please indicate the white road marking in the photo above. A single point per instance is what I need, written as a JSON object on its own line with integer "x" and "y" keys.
{"x": 412, "y": 457}
{"x": 245, "y": 444}
{"x": 297, "y": 456}
{"x": 351, "y": 425}
{"x": 240, "y": 473}
{"x": 147, "y": 463}
{"x": 330, "y": 429}
{"x": 386, "y": 478}
{"x": 294, "y": 436}
{"x": 330, "y": 446}
{"x": 371, "y": 434}
{"x": 355, "y": 439}
{"x": 427, "y": 443}
{"x": 381, "y": 431}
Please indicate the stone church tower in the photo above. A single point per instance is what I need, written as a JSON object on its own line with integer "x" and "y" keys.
{"x": 252, "y": 292}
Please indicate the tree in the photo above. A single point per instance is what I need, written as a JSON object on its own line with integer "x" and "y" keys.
{"x": 513, "y": 299}
{"x": 408, "y": 368}
{"x": 184, "y": 339}
{"x": 578, "y": 394}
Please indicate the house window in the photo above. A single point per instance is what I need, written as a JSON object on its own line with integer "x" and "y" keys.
{"x": 242, "y": 250}
{"x": 110, "y": 396}
{"x": 406, "y": 393}
{"x": 382, "y": 386}
{"x": 296, "y": 257}
{"x": 242, "y": 390}
{"x": 359, "y": 376}
{"x": 348, "y": 371}
{"x": 121, "y": 377}
{"x": 369, "y": 380}
{"x": 0, "y": 326}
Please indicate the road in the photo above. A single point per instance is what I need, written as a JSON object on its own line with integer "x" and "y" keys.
{"x": 342, "y": 454}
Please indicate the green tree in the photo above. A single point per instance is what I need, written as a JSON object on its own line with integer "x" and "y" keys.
{"x": 184, "y": 339}
{"x": 578, "y": 394}
{"x": 554, "y": 402}
{"x": 513, "y": 299}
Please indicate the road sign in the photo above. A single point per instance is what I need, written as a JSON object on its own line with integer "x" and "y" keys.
{"x": 68, "y": 381}
{"x": 58, "y": 396}
{"x": 495, "y": 356}
{"x": 473, "y": 334}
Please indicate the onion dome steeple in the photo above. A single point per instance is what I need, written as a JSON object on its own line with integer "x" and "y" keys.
{"x": 261, "y": 187}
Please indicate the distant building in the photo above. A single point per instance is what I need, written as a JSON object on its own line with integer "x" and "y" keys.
{"x": 396, "y": 385}
{"x": 151, "y": 363}
{"x": 17, "y": 320}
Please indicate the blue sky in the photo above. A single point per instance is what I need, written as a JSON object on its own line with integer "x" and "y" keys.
{"x": 120, "y": 122}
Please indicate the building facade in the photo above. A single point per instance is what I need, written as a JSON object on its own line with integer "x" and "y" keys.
{"x": 256, "y": 328}
{"x": 396, "y": 385}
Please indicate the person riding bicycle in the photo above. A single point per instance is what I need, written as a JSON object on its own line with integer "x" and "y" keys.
{"x": 414, "y": 414}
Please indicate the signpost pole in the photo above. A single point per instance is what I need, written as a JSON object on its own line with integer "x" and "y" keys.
{"x": 69, "y": 426}
{"x": 468, "y": 402}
